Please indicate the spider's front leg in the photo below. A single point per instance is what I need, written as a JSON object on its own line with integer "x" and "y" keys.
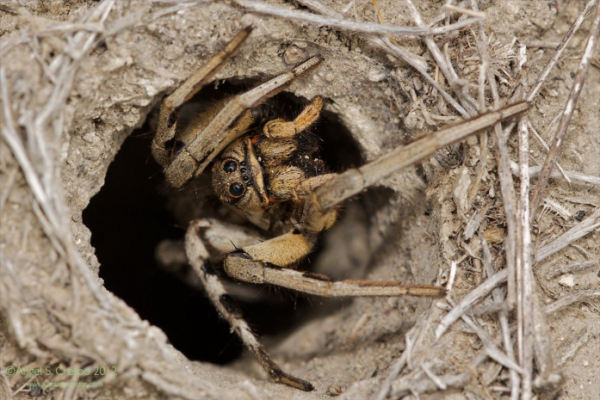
{"x": 268, "y": 262}
{"x": 184, "y": 161}
{"x": 330, "y": 194}
{"x": 211, "y": 234}
{"x": 163, "y": 145}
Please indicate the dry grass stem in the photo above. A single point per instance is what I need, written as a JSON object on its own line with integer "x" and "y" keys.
{"x": 570, "y": 268}
{"x": 580, "y": 339}
{"x": 492, "y": 351}
{"x": 547, "y": 376}
{"x": 173, "y": 9}
{"x": 563, "y": 126}
{"x": 465, "y": 11}
{"x": 524, "y": 273}
{"x": 364, "y": 27}
{"x": 445, "y": 67}
{"x": 545, "y": 146}
{"x": 385, "y": 43}
{"x": 499, "y": 296}
{"x": 418, "y": 382}
{"x": 574, "y": 177}
{"x": 413, "y": 334}
{"x": 452, "y": 277}
{"x": 490, "y": 347}
{"x": 475, "y": 222}
{"x": 469, "y": 300}
{"x": 578, "y": 297}
{"x": 577, "y": 232}
{"x": 508, "y": 196}
{"x": 438, "y": 382}
{"x": 559, "y": 50}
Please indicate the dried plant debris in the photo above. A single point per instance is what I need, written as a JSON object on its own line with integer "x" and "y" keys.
{"x": 508, "y": 220}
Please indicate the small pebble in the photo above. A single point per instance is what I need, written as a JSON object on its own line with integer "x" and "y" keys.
{"x": 375, "y": 75}
{"x": 293, "y": 54}
{"x": 567, "y": 280}
{"x": 411, "y": 120}
{"x": 335, "y": 390}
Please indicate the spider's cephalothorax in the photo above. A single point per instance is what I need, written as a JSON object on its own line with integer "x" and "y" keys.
{"x": 270, "y": 165}
{"x": 259, "y": 166}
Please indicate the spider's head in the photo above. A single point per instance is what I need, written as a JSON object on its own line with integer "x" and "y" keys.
{"x": 237, "y": 177}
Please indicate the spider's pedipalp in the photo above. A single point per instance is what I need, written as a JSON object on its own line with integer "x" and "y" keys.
{"x": 279, "y": 128}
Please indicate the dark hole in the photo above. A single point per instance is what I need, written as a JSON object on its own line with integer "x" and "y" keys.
{"x": 130, "y": 216}
{"x": 128, "y": 220}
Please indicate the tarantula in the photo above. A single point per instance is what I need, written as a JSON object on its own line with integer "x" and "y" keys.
{"x": 272, "y": 173}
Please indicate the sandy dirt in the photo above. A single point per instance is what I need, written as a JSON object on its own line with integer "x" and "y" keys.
{"x": 56, "y": 313}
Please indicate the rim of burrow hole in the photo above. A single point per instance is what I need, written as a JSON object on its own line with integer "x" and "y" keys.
{"x": 141, "y": 251}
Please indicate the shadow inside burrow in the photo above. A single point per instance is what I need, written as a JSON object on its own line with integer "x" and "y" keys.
{"x": 136, "y": 211}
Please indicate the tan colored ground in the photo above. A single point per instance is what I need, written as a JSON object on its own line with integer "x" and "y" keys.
{"x": 54, "y": 310}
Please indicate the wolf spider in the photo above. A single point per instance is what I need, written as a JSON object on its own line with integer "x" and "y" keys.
{"x": 272, "y": 173}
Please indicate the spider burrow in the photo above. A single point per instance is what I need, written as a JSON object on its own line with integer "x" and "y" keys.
{"x": 260, "y": 167}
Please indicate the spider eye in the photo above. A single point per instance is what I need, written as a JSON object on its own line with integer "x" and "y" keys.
{"x": 229, "y": 166}
{"x": 236, "y": 189}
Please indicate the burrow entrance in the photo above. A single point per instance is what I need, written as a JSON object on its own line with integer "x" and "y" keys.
{"x": 136, "y": 212}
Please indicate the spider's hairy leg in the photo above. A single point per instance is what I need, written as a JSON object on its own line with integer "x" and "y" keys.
{"x": 167, "y": 119}
{"x": 205, "y": 233}
{"x": 353, "y": 181}
{"x": 281, "y": 129}
{"x": 217, "y": 135}
{"x": 266, "y": 262}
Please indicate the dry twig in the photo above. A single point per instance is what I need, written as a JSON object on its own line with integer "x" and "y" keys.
{"x": 498, "y": 295}
{"x": 467, "y": 302}
{"x": 583, "y": 295}
{"x": 568, "y": 268}
{"x": 383, "y": 42}
{"x": 561, "y": 131}
{"x": 365, "y": 27}
{"x": 545, "y": 146}
{"x": 578, "y": 231}
{"x": 559, "y": 50}
{"x": 525, "y": 279}
{"x": 581, "y": 339}
{"x": 411, "y": 337}
{"x": 444, "y": 66}
{"x": 574, "y": 177}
